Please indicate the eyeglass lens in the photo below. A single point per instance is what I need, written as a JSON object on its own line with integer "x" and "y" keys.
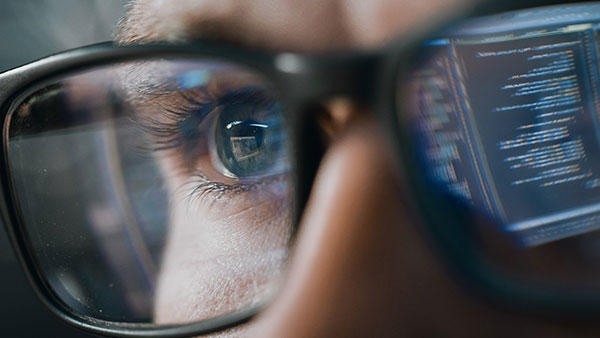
{"x": 505, "y": 114}
{"x": 154, "y": 189}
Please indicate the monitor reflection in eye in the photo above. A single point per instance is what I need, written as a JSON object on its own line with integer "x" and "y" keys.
{"x": 217, "y": 133}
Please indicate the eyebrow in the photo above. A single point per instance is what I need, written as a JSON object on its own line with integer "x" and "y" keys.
{"x": 271, "y": 25}
{"x": 142, "y": 25}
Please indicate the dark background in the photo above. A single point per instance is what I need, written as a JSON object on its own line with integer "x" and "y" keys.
{"x": 29, "y": 30}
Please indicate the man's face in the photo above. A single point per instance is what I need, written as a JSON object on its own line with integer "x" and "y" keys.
{"x": 358, "y": 266}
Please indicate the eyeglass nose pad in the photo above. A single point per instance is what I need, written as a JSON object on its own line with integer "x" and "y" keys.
{"x": 337, "y": 114}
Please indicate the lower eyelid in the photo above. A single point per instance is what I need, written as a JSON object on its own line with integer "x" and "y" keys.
{"x": 204, "y": 190}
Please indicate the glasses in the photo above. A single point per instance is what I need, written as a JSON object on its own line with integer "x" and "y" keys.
{"x": 142, "y": 179}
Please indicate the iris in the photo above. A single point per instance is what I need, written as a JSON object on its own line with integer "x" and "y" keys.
{"x": 249, "y": 135}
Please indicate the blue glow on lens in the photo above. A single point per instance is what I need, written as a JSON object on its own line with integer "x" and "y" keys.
{"x": 194, "y": 79}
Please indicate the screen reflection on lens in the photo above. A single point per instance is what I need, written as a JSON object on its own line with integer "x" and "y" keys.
{"x": 504, "y": 114}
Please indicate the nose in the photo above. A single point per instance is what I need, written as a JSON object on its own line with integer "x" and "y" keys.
{"x": 361, "y": 266}
{"x": 347, "y": 275}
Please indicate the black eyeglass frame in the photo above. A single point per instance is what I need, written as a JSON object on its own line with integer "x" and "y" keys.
{"x": 302, "y": 81}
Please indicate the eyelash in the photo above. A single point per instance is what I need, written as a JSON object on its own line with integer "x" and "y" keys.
{"x": 171, "y": 135}
{"x": 204, "y": 187}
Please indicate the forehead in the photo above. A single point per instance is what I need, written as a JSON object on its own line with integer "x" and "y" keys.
{"x": 291, "y": 25}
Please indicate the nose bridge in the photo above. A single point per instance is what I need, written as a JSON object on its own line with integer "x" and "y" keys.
{"x": 315, "y": 78}
{"x": 316, "y": 129}
{"x": 328, "y": 94}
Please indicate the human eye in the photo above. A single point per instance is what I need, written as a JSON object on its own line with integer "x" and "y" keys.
{"x": 226, "y": 135}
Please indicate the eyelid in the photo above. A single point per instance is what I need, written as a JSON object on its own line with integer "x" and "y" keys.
{"x": 205, "y": 190}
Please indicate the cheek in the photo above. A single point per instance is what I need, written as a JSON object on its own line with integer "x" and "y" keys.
{"x": 222, "y": 255}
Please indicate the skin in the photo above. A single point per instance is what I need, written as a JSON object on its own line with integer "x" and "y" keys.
{"x": 359, "y": 266}
{"x": 226, "y": 245}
